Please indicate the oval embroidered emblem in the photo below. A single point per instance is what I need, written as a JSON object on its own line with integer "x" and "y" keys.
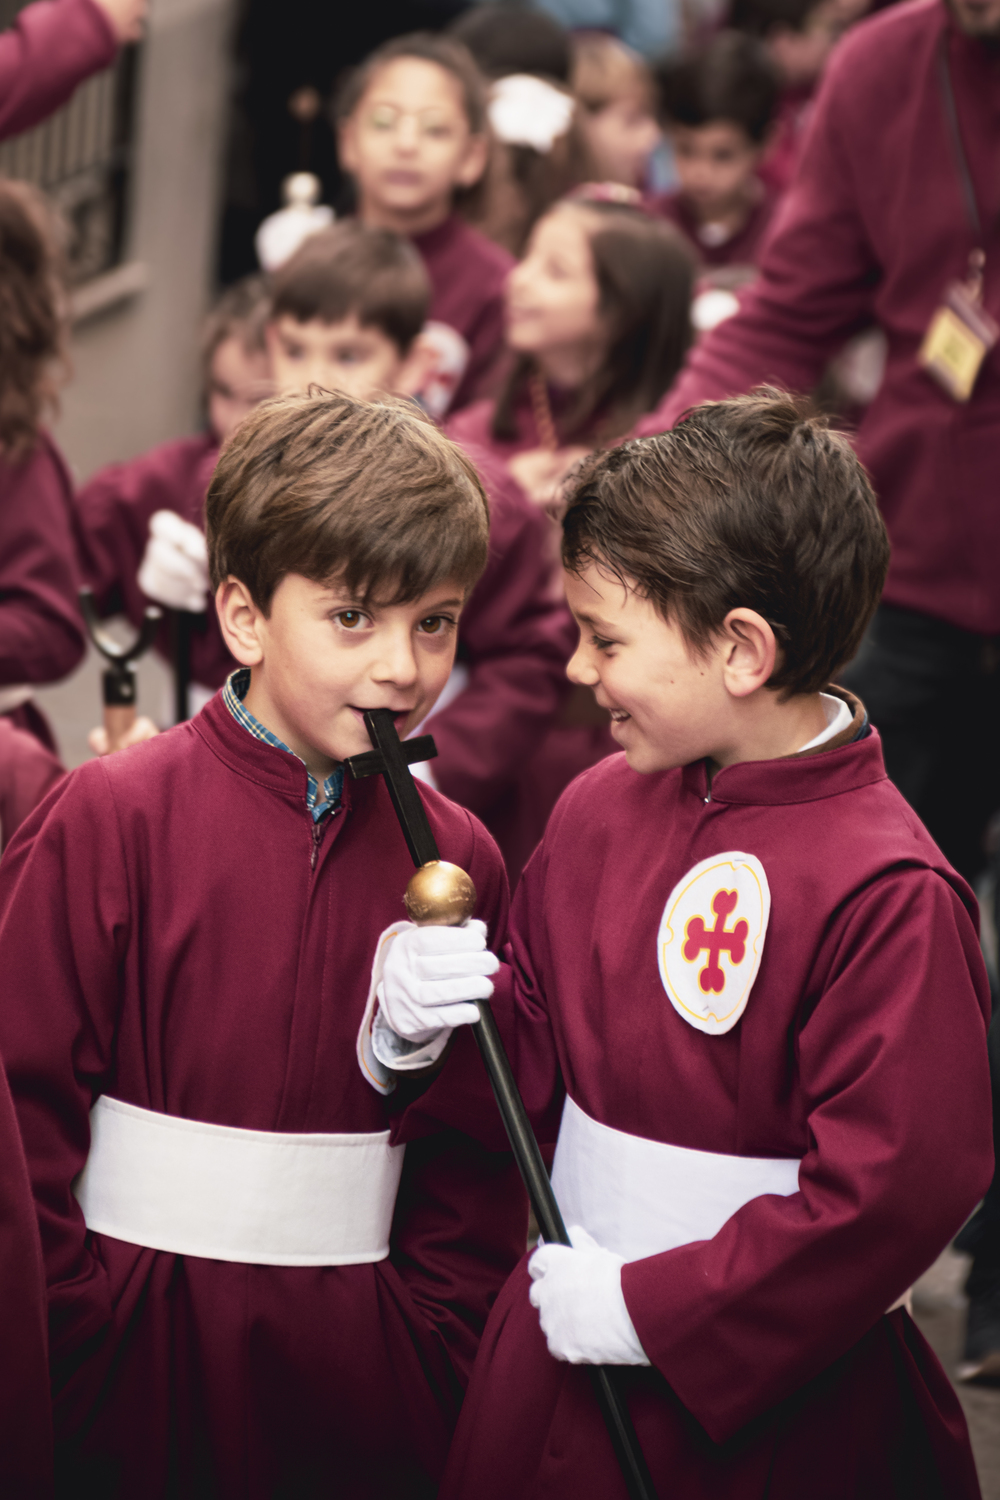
{"x": 711, "y": 938}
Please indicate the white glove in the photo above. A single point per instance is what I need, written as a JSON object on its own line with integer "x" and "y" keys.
{"x": 174, "y": 570}
{"x": 581, "y": 1307}
{"x": 431, "y": 976}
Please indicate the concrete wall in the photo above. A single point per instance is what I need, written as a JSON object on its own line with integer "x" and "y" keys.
{"x": 136, "y": 375}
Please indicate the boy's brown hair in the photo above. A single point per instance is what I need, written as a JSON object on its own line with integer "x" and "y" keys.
{"x": 427, "y": 46}
{"x": 32, "y": 321}
{"x": 347, "y": 269}
{"x": 748, "y": 502}
{"x": 368, "y": 494}
{"x": 730, "y": 78}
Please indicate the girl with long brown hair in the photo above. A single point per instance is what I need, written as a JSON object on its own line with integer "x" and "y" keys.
{"x": 597, "y": 325}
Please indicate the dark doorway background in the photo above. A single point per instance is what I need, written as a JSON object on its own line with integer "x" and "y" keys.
{"x": 283, "y": 47}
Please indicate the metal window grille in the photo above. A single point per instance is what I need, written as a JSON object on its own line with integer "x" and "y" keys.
{"x": 81, "y": 156}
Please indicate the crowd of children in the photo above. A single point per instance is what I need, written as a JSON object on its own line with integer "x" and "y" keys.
{"x": 250, "y": 1163}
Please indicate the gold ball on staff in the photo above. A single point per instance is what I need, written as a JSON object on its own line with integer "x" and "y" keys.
{"x": 439, "y": 895}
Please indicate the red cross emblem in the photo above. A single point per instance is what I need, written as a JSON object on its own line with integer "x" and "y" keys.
{"x": 698, "y": 937}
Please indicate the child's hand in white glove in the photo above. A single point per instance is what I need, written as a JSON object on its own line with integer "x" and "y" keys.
{"x": 431, "y": 976}
{"x": 174, "y": 569}
{"x": 581, "y": 1307}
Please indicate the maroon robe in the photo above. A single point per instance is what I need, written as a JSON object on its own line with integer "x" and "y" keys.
{"x": 114, "y": 509}
{"x": 789, "y": 126}
{"x": 862, "y": 1051}
{"x": 51, "y": 47}
{"x": 467, "y": 273}
{"x": 872, "y": 230}
{"x": 741, "y": 249}
{"x": 165, "y": 938}
{"x": 25, "y": 1419}
{"x": 28, "y": 770}
{"x": 41, "y": 630}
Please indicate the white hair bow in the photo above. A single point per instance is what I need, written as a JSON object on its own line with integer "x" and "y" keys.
{"x": 527, "y": 111}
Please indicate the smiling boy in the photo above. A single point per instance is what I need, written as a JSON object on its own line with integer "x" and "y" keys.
{"x": 253, "y": 1291}
{"x": 749, "y": 1006}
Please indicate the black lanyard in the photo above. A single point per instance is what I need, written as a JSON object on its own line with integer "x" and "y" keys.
{"x": 961, "y": 160}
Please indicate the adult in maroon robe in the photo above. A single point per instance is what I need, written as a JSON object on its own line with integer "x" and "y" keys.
{"x": 873, "y": 230}
{"x": 41, "y": 631}
{"x": 176, "y": 932}
{"x": 50, "y": 49}
{"x": 467, "y": 273}
{"x": 861, "y": 1053}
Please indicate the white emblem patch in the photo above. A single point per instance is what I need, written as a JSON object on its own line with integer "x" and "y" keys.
{"x": 711, "y": 938}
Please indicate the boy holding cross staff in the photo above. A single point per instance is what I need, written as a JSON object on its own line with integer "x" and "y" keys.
{"x": 261, "y": 1282}
{"x": 746, "y": 1002}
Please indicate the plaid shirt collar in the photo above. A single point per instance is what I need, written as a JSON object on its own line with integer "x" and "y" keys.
{"x": 319, "y": 799}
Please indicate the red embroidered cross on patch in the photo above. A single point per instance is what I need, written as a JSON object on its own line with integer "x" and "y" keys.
{"x": 716, "y": 940}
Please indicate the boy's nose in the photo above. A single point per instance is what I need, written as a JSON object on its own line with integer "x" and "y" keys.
{"x": 397, "y": 663}
{"x": 580, "y": 670}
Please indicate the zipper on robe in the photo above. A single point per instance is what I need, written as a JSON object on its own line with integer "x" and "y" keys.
{"x": 317, "y": 835}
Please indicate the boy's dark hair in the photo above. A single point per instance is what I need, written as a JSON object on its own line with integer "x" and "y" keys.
{"x": 370, "y": 494}
{"x": 749, "y": 502}
{"x": 761, "y": 17}
{"x": 645, "y": 275}
{"x": 730, "y": 78}
{"x": 32, "y": 324}
{"x": 428, "y": 47}
{"x": 240, "y": 312}
{"x": 374, "y": 274}
{"x": 504, "y": 40}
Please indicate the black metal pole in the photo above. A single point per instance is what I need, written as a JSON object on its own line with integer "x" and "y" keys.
{"x": 181, "y": 623}
{"x": 606, "y": 1379}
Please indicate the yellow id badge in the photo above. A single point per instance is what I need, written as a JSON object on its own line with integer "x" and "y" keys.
{"x": 960, "y": 335}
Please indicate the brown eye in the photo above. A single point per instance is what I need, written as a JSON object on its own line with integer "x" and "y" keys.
{"x": 432, "y": 625}
{"x": 350, "y": 618}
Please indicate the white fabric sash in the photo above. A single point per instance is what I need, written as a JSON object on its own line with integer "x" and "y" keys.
{"x": 640, "y": 1197}
{"x": 255, "y": 1196}
{"x": 13, "y": 697}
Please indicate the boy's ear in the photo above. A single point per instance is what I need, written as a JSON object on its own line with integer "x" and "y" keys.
{"x": 240, "y": 620}
{"x": 749, "y": 651}
{"x": 473, "y": 164}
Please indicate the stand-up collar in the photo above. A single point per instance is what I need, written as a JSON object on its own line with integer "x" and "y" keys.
{"x": 850, "y": 760}
{"x": 265, "y": 764}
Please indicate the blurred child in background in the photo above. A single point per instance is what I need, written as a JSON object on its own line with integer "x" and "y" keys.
{"x": 347, "y": 315}
{"x": 141, "y": 523}
{"x": 412, "y": 133}
{"x": 598, "y": 321}
{"x": 617, "y": 99}
{"x": 799, "y": 36}
{"x": 719, "y": 104}
{"x": 41, "y": 632}
{"x": 597, "y": 317}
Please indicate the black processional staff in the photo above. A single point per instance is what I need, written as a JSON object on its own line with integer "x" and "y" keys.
{"x": 441, "y": 894}
{"x": 184, "y": 623}
{"x": 118, "y": 680}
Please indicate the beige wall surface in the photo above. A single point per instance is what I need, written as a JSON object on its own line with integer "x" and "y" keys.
{"x": 135, "y": 362}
